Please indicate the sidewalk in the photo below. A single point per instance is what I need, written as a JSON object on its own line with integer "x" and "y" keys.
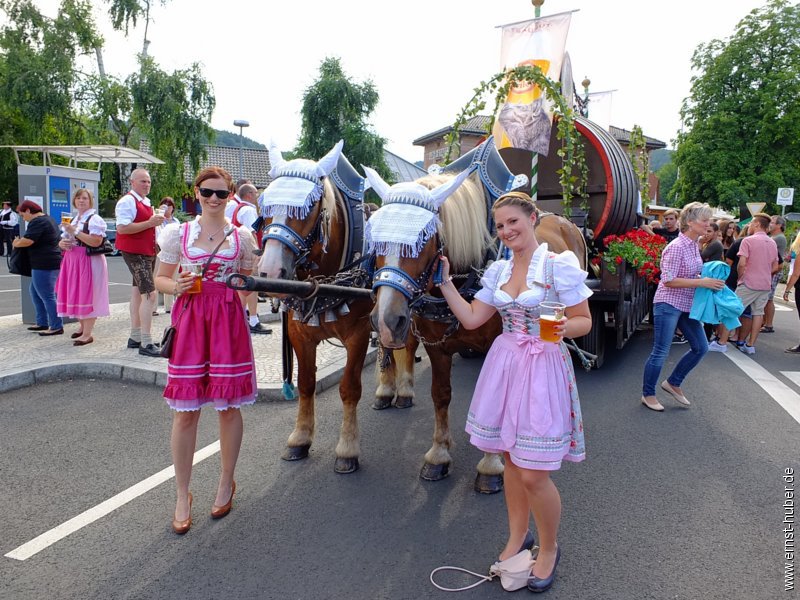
{"x": 28, "y": 358}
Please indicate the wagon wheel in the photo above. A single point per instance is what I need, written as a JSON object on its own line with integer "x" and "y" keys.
{"x": 595, "y": 340}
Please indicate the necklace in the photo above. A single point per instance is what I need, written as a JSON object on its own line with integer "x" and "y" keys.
{"x": 211, "y": 236}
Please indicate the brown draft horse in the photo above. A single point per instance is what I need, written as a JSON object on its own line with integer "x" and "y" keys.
{"x": 313, "y": 246}
{"x": 462, "y": 237}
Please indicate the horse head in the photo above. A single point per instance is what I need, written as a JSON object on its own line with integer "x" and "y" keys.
{"x": 299, "y": 201}
{"x": 406, "y": 236}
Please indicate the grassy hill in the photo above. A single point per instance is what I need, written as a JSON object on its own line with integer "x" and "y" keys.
{"x": 658, "y": 158}
{"x": 227, "y": 138}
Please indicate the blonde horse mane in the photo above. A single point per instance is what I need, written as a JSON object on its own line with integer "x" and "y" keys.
{"x": 463, "y": 215}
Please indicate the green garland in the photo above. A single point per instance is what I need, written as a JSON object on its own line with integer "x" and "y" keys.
{"x": 640, "y": 159}
{"x": 574, "y": 173}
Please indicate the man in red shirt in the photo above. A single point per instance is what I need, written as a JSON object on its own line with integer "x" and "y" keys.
{"x": 136, "y": 238}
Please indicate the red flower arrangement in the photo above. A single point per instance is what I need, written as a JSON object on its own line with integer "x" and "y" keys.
{"x": 638, "y": 248}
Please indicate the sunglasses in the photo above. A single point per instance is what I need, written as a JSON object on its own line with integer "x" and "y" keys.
{"x": 208, "y": 192}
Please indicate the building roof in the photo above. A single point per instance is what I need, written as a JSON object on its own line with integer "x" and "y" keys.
{"x": 623, "y": 136}
{"x": 402, "y": 169}
{"x": 476, "y": 126}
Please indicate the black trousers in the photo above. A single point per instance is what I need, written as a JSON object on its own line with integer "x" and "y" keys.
{"x": 8, "y": 237}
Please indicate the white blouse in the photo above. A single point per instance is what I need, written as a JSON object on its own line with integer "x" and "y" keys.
{"x": 169, "y": 240}
{"x": 568, "y": 281}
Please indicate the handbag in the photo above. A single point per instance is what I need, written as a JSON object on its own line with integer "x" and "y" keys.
{"x": 19, "y": 262}
{"x": 514, "y": 573}
{"x": 168, "y": 339}
{"x": 104, "y": 248}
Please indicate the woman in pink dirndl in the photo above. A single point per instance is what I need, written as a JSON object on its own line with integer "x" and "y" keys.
{"x": 82, "y": 285}
{"x": 526, "y": 404}
{"x": 212, "y": 357}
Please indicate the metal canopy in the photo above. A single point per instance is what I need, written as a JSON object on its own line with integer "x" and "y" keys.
{"x": 88, "y": 154}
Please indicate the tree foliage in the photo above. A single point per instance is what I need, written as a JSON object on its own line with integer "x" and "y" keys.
{"x": 335, "y": 108}
{"x": 741, "y": 137}
{"x": 46, "y": 99}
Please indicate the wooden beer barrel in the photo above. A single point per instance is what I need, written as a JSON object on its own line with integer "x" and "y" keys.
{"x": 612, "y": 185}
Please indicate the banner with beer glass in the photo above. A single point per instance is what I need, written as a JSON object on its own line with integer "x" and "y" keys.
{"x": 526, "y": 118}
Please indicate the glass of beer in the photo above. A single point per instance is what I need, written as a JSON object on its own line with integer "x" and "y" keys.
{"x": 550, "y": 313}
{"x": 66, "y": 218}
{"x": 196, "y": 270}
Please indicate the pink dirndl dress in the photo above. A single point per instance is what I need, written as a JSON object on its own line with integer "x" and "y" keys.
{"x": 526, "y": 400}
{"x": 82, "y": 284}
{"x": 212, "y": 358}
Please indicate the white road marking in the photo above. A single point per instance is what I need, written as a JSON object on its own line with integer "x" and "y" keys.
{"x": 6, "y": 291}
{"x": 780, "y": 308}
{"x": 793, "y": 376}
{"x": 780, "y": 392}
{"x": 49, "y": 538}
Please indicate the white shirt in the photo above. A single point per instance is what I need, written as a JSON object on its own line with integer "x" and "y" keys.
{"x": 125, "y": 210}
{"x": 247, "y": 215}
{"x": 231, "y": 206}
{"x": 14, "y": 220}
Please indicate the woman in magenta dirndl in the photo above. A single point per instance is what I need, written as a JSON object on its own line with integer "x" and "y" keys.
{"x": 212, "y": 357}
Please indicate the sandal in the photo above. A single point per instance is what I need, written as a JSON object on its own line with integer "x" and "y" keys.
{"x": 767, "y": 329}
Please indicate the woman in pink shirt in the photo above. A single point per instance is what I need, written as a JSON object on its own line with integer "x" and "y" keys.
{"x": 680, "y": 276}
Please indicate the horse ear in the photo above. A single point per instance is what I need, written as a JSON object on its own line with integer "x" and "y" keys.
{"x": 275, "y": 159}
{"x": 328, "y": 162}
{"x": 378, "y": 184}
{"x": 441, "y": 193}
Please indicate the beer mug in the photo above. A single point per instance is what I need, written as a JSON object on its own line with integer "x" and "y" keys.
{"x": 196, "y": 270}
{"x": 161, "y": 211}
{"x": 550, "y": 313}
{"x": 66, "y": 218}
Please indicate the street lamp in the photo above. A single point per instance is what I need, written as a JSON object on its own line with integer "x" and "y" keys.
{"x": 241, "y": 124}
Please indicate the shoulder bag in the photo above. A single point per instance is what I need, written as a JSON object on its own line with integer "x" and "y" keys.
{"x": 104, "y": 248}
{"x": 19, "y": 262}
{"x": 168, "y": 339}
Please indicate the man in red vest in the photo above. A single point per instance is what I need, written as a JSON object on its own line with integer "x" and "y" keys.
{"x": 136, "y": 238}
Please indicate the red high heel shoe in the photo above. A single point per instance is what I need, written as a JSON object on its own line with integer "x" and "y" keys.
{"x": 217, "y": 512}
{"x": 181, "y": 527}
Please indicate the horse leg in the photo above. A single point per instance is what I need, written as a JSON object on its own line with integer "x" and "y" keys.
{"x": 404, "y": 373}
{"x": 301, "y": 437}
{"x": 385, "y": 390}
{"x": 348, "y": 448}
{"x": 437, "y": 458}
{"x": 489, "y": 479}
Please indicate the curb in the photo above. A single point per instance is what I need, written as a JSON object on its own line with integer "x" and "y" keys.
{"x": 116, "y": 369}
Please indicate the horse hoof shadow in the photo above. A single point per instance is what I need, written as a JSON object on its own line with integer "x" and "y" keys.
{"x": 382, "y": 402}
{"x": 345, "y": 465}
{"x": 488, "y": 484}
{"x": 295, "y": 452}
{"x": 432, "y": 472}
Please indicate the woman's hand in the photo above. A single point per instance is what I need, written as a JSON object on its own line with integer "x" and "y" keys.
{"x": 70, "y": 229}
{"x": 786, "y": 296}
{"x": 184, "y": 281}
{"x": 66, "y": 244}
{"x": 712, "y": 284}
{"x": 445, "y": 267}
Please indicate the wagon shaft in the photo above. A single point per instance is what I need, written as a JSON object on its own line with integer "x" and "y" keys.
{"x": 301, "y": 289}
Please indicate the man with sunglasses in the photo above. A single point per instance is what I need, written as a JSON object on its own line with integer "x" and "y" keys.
{"x": 136, "y": 239}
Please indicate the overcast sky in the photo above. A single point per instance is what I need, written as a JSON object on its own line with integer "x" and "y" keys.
{"x": 425, "y": 57}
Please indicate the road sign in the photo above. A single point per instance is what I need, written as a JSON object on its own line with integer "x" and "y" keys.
{"x": 755, "y": 207}
{"x": 785, "y": 196}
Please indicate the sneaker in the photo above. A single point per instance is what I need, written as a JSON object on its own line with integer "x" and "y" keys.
{"x": 678, "y": 339}
{"x": 259, "y": 328}
{"x": 747, "y": 349}
{"x": 717, "y": 347}
{"x": 150, "y": 350}
{"x": 793, "y": 350}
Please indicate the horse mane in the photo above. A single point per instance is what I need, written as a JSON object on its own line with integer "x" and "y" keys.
{"x": 463, "y": 216}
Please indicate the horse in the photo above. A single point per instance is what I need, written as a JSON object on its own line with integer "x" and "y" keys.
{"x": 310, "y": 235}
{"x": 463, "y": 235}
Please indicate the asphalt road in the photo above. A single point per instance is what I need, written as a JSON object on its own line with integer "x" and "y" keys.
{"x": 119, "y": 286}
{"x": 684, "y": 504}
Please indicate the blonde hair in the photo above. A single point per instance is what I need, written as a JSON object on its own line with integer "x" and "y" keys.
{"x": 519, "y": 199}
{"x": 795, "y": 247}
{"x": 694, "y": 211}
{"x": 80, "y": 191}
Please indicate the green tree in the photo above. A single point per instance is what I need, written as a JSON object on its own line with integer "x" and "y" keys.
{"x": 335, "y": 108}
{"x": 667, "y": 176}
{"x": 741, "y": 122}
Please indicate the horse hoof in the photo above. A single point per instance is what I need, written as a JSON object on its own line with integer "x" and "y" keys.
{"x": 404, "y": 402}
{"x": 296, "y": 452}
{"x": 431, "y": 472}
{"x": 382, "y": 402}
{"x": 488, "y": 484}
{"x": 346, "y": 465}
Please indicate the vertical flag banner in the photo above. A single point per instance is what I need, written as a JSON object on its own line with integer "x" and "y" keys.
{"x": 600, "y": 108}
{"x": 526, "y": 118}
